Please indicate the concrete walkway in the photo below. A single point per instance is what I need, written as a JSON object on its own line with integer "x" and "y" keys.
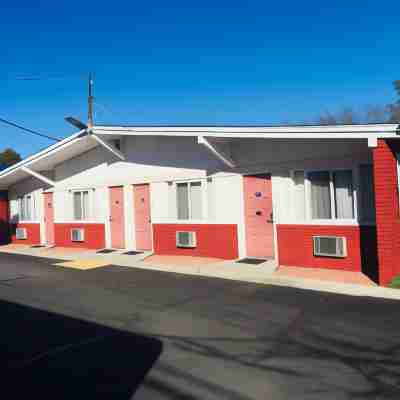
{"x": 266, "y": 273}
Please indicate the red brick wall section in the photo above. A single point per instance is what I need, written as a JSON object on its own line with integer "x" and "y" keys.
{"x": 219, "y": 241}
{"x": 387, "y": 209}
{"x": 94, "y": 235}
{"x": 295, "y": 246}
{"x": 32, "y": 231}
{"x": 4, "y": 218}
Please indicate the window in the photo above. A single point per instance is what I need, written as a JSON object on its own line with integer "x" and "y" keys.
{"x": 189, "y": 200}
{"x": 81, "y": 205}
{"x": 25, "y": 208}
{"x": 344, "y": 200}
{"x": 331, "y": 194}
{"x": 367, "y": 194}
{"x": 320, "y": 195}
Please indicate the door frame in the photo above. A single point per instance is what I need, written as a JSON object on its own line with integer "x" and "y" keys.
{"x": 45, "y": 241}
{"x": 108, "y": 230}
{"x": 134, "y": 216}
{"x": 275, "y": 256}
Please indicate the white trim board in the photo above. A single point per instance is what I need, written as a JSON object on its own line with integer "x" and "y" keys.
{"x": 278, "y": 132}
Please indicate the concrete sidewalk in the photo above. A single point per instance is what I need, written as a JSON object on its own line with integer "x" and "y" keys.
{"x": 265, "y": 273}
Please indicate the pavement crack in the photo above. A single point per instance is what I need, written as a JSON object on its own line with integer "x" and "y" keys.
{"x": 7, "y": 281}
{"x": 58, "y": 350}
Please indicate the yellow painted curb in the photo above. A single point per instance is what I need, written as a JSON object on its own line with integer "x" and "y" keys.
{"x": 83, "y": 264}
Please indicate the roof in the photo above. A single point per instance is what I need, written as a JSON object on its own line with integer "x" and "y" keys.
{"x": 282, "y": 131}
{"x": 49, "y": 157}
{"x": 81, "y": 141}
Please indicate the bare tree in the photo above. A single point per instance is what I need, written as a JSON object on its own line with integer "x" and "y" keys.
{"x": 375, "y": 114}
{"x": 394, "y": 109}
{"x": 346, "y": 116}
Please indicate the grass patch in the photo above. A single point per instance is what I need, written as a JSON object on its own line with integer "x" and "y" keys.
{"x": 395, "y": 284}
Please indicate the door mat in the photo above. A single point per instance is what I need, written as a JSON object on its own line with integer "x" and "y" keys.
{"x": 252, "y": 261}
{"x": 105, "y": 251}
{"x": 132, "y": 253}
{"x": 83, "y": 264}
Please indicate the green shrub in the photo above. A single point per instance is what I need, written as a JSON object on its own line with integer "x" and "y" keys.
{"x": 395, "y": 284}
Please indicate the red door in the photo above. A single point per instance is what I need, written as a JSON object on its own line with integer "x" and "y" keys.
{"x": 258, "y": 216}
{"x": 117, "y": 225}
{"x": 142, "y": 217}
{"x": 49, "y": 218}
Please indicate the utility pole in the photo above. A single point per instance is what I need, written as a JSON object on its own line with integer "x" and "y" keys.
{"x": 90, "y": 102}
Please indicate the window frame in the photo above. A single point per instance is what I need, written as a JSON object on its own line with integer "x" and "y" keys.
{"x": 308, "y": 219}
{"x": 204, "y": 199}
{"x": 21, "y": 203}
{"x": 88, "y": 215}
{"x": 333, "y": 220}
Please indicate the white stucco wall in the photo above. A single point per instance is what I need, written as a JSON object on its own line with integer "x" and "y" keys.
{"x": 159, "y": 160}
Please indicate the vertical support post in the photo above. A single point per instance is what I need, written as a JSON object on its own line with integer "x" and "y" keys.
{"x": 387, "y": 209}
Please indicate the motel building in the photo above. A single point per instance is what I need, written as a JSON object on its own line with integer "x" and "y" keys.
{"x": 307, "y": 196}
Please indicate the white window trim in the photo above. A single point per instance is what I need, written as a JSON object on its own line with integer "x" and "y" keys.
{"x": 33, "y": 209}
{"x": 307, "y": 193}
{"x": 204, "y": 201}
{"x": 90, "y": 206}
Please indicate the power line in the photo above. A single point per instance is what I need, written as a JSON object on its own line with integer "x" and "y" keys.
{"x": 34, "y": 77}
{"x": 4, "y": 121}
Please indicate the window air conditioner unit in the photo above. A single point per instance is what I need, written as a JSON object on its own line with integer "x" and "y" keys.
{"x": 330, "y": 246}
{"x": 21, "y": 234}
{"x": 186, "y": 239}
{"x": 77, "y": 235}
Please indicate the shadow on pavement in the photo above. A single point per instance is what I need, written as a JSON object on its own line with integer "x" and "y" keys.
{"x": 51, "y": 356}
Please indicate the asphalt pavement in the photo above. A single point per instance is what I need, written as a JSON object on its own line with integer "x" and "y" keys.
{"x": 119, "y": 333}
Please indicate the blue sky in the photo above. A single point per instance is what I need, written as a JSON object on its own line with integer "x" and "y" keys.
{"x": 212, "y": 62}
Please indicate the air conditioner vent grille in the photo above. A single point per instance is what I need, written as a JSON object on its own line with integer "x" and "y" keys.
{"x": 185, "y": 239}
{"x": 21, "y": 234}
{"x": 330, "y": 246}
{"x": 77, "y": 235}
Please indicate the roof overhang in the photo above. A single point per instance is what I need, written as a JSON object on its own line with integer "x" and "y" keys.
{"x": 48, "y": 158}
{"x": 85, "y": 140}
{"x": 268, "y": 132}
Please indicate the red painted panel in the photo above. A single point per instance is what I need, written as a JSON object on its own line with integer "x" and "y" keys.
{"x": 219, "y": 241}
{"x": 387, "y": 209}
{"x": 32, "y": 231}
{"x": 94, "y": 235}
{"x": 142, "y": 217}
{"x": 49, "y": 217}
{"x": 4, "y": 218}
{"x": 117, "y": 217}
{"x": 258, "y": 215}
{"x": 295, "y": 246}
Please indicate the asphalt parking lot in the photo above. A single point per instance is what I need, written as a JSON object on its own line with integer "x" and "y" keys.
{"x": 121, "y": 333}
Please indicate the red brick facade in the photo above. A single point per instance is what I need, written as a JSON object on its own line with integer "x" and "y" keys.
{"x": 219, "y": 241}
{"x": 387, "y": 209}
{"x": 4, "y": 218}
{"x": 32, "y": 233}
{"x": 295, "y": 246}
{"x": 94, "y": 235}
